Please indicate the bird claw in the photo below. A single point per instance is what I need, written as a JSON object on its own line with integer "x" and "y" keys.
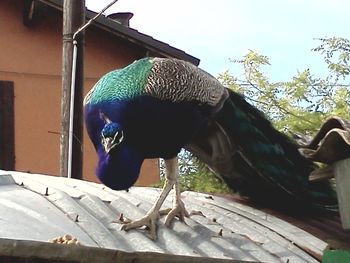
{"x": 178, "y": 210}
{"x": 149, "y": 220}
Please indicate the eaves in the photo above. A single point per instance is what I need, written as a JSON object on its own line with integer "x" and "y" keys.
{"x": 131, "y": 35}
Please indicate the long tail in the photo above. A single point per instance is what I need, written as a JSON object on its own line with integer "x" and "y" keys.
{"x": 244, "y": 149}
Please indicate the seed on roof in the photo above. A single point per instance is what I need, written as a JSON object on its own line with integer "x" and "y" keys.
{"x": 66, "y": 239}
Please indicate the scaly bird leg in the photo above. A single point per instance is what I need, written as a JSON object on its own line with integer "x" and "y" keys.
{"x": 178, "y": 209}
{"x": 150, "y": 219}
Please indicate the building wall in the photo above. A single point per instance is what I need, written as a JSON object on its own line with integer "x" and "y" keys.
{"x": 31, "y": 58}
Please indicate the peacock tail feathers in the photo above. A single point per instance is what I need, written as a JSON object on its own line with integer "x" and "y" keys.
{"x": 273, "y": 158}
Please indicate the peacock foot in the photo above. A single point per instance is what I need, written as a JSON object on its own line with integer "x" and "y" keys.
{"x": 149, "y": 220}
{"x": 178, "y": 210}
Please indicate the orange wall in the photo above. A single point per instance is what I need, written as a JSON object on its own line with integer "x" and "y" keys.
{"x": 31, "y": 58}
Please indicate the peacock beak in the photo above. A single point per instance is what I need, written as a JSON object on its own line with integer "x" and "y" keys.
{"x": 108, "y": 144}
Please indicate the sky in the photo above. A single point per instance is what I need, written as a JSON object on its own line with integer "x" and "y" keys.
{"x": 216, "y": 31}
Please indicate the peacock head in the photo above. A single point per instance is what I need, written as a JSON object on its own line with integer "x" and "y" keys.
{"x": 111, "y": 134}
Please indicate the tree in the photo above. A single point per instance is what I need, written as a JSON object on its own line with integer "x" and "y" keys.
{"x": 302, "y": 104}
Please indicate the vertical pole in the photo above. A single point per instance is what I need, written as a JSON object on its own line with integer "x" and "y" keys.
{"x": 73, "y": 18}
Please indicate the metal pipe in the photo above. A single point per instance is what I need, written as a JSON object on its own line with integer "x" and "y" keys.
{"x": 71, "y": 108}
{"x": 72, "y": 87}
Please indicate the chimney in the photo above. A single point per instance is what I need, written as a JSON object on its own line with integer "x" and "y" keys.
{"x": 122, "y": 18}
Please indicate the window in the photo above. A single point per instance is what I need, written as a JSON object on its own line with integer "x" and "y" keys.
{"x": 7, "y": 128}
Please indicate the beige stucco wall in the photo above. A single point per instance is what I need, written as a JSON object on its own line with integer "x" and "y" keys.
{"x": 31, "y": 58}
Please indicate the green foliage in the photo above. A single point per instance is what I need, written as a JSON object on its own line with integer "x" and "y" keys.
{"x": 301, "y": 104}
{"x": 336, "y": 53}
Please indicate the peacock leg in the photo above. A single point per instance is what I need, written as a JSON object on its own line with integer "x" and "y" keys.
{"x": 178, "y": 209}
{"x": 150, "y": 219}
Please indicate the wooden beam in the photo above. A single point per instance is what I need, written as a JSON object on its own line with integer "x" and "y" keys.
{"x": 73, "y": 18}
{"x": 33, "y": 251}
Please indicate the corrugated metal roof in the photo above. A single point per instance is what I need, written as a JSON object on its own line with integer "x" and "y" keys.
{"x": 40, "y": 207}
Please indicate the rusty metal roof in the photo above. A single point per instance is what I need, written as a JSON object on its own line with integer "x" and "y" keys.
{"x": 131, "y": 35}
{"x": 40, "y": 207}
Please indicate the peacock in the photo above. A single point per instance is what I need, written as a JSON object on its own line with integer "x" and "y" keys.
{"x": 154, "y": 107}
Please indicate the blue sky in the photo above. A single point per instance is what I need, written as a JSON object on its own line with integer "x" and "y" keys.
{"x": 214, "y": 31}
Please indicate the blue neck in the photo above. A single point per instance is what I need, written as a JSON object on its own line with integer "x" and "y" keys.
{"x": 120, "y": 169}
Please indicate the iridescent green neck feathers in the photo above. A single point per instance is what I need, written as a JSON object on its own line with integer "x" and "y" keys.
{"x": 120, "y": 84}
